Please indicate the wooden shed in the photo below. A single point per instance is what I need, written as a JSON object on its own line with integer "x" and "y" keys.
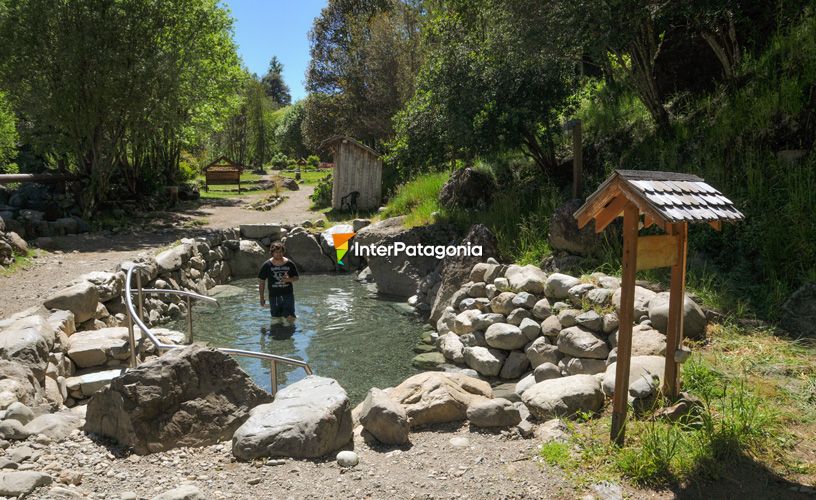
{"x": 221, "y": 171}
{"x": 357, "y": 183}
{"x": 669, "y": 201}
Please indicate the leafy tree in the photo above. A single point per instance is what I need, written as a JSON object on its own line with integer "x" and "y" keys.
{"x": 274, "y": 85}
{"x": 487, "y": 85}
{"x": 122, "y": 84}
{"x": 8, "y": 133}
{"x": 365, "y": 54}
{"x": 288, "y": 133}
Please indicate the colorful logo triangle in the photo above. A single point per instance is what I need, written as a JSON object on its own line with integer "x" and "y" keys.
{"x": 341, "y": 242}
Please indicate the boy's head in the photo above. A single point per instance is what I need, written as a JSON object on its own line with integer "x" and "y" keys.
{"x": 277, "y": 246}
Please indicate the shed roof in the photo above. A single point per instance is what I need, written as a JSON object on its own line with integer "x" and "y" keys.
{"x": 338, "y": 138}
{"x": 668, "y": 197}
{"x": 218, "y": 164}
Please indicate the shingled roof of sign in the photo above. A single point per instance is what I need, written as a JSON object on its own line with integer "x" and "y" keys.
{"x": 675, "y": 196}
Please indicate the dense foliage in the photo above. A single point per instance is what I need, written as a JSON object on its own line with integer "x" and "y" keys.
{"x": 8, "y": 135}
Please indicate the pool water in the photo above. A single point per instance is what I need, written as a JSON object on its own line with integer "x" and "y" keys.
{"x": 342, "y": 331}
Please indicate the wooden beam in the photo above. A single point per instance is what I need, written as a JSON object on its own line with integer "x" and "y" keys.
{"x": 674, "y": 330}
{"x": 656, "y": 251}
{"x": 631, "y": 218}
{"x": 591, "y": 209}
{"x": 648, "y": 221}
{"x": 717, "y": 225}
{"x": 610, "y": 213}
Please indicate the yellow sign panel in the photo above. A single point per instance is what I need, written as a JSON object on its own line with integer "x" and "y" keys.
{"x": 656, "y": 251}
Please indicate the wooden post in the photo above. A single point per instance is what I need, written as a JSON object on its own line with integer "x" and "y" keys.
{"x": 577, "y": 161}
{"x": 674, "y": 330}
{"x": 620, "y": 400}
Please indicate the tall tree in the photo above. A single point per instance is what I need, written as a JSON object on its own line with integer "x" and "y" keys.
{"x": 365, "y": 54}
{"x": 274, "y": 86}
{"x": 8, "y": 133}
{"x": 118, "y": 83}
{"x": 289, "y": 134}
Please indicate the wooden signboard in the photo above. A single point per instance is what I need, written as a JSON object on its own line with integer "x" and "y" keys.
{"x": 656, "y": 251}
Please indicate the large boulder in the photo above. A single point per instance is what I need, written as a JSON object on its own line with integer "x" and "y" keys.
{"x": 438, "y": 397}
{"x": 694, "y": 319}
{"x": 18, "y": 484}
{"x": 528, "y": 278}
{"x": 108, "y": 285}
{"x": 172, "y": 259}
{"x": 558, "y": 285}
{"x": 248, "y": 259}
{"x": 260, "y": 231}
{"x": 799, "y": 312}
{"x": 98, "y": 347}
{"x": 193, "y": 396}
{"x": 646, "y": 341}
{"x": 455, "y": 270}
{"x": 27, "y": 341}
{"x": 486, "y": 361}
{"x": 642, "y": 298}
{"x": 497, "y": 412}
{"x": 564, "y": 397}
{"x": 307, "y": 419}
{"x": 400, "y": 275}
{"x": 307, "y": 253}
{"x": 467, "y": 188}
{"x": 505, "y": 336}
{"x": 640, "y": 368}
{"x": 384, "y": 418}
{"x": 80, "y": 299}
{"x": 565, "y": 235}
{"x": 578, "y": 342}
{"x": 17, "y": 383}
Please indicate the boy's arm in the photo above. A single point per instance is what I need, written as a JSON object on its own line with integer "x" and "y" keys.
{"x": 261, "y": 289}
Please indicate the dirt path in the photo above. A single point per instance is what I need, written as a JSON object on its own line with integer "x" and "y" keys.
{"x": 76, "y": 255}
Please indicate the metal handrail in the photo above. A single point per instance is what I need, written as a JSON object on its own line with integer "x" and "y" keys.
{"x": 133, "y": 316}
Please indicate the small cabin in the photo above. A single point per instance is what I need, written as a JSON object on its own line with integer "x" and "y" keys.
{"x": 222, "y": 171}
{"x": 357, "y": 183}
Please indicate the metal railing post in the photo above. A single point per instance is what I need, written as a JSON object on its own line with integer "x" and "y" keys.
{"x": 189, "y": 321}
{"x": 139, "y": 295}
{"x": 274, "y": 374}
{"x": 132, "y": 338}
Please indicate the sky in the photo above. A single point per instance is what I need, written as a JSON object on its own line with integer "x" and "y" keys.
{"x": 266, "y": 28}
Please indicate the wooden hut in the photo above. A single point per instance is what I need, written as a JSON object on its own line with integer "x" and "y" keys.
{"x": 222, "y": 170}
{"x": 357, "y": 183}
{"x": 669, "y": 201}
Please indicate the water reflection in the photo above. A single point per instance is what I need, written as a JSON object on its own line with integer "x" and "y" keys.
{"x": 340, "y": 331}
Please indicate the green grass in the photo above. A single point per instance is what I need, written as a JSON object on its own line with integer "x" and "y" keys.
{"x": 21, "y": 262}
{"x": 417, "y": 199}
{"x": 309, "y": 176}
{"x": 213, "y": 194}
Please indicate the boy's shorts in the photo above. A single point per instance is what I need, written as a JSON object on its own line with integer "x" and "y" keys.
{"x": 282, "y": 306}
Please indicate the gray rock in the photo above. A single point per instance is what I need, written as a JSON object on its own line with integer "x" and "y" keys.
{"x": 477, "y": 290}
{"x": 642, "y": 299}
{"x": 568, "y": 317}
{"x": 541, "y": 351}
{"x": 445, "y": 322}
{"x": 694, "y": 319}
{"x": 87, "y": 384}
{"x": 563, "y": 397}
{"x": 439, "y": 397}
{"x": 486, "y": 361}
{"x": 503, "y": 303}
{"x": 21, "y": 483}
{"x": 558, "y": 285}
{"x": 108, "y": 285}
{"x": 530, "y": 328}
{"x": 524, "y": 384}
{"x": 584, "y": 366}
{"x": 646, "y": 341}
{"x": 307, "y": 419}
{"x": 581, "y": 343}
{"x": 428, "y": 361}
{"x": 564, "y": 233}
{"x": 525, "y": 300}
{"x": 27, "y": 341}
{"x": 493, "y": 413}
{"x": 250, "y": 256}
{"x": 17, "y": 383}
{"x": 57, "y": 426}
{"x": 516, "y": 316}
{"x": 554, "y": 430}
{"x": 451, "y": 347}
{"x": 384, "y": 418}
{"x": 260, "y": 231}
{"x": 639, "y": 367}
{"x": 477, "y": 273}
{"x": 578, "y": 292}
{"x": 475, "y": 339}
{"x": 347, "y": 459}
{"x": 463, "y": 322}
{"x": 484, "y": 320}
{"x": 192, "y": 396}
{"x": 307, "y": 253}
{"x": 551, "y": 326}
{"x": 183, "y": 492}
{"x": 546, "y": 371}
{"x": 80, "y": 299}
{"x": 599, "y": 296}
{"x": 528, "y": 278}
{"x": 19, "y": 412}
{"x": 505, "y": 336}
{"x": 502, "y": 284}
{"x": 12, "y": 429}
{"x": 590, "y": 320}
{"x": 98, "y": 347}
{"x": 541, "y": 309}
{"x": 172, "y": 259}
{"x": 610, "y": 323}
{"x": 514, "y": 366}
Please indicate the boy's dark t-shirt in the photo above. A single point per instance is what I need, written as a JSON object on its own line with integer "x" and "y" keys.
{"x": 274, "y": 274}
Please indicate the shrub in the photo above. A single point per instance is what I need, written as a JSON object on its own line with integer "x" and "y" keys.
{"x": 280, "y": 160}
{"x": 313, "y": 161}
{"x": 322, "y": 195}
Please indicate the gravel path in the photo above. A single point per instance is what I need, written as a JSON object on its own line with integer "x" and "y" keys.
{"x": 76, "y": 255}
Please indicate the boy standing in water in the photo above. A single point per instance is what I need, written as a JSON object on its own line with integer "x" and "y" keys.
{"x": 280, "y": 273}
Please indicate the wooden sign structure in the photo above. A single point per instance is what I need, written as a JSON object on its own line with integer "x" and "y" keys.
{"x": 669, "y": 201}
{"x": 222, "y": 171}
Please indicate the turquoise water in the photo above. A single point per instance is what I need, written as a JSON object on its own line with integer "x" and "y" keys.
{"x": 342, "y": 331}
